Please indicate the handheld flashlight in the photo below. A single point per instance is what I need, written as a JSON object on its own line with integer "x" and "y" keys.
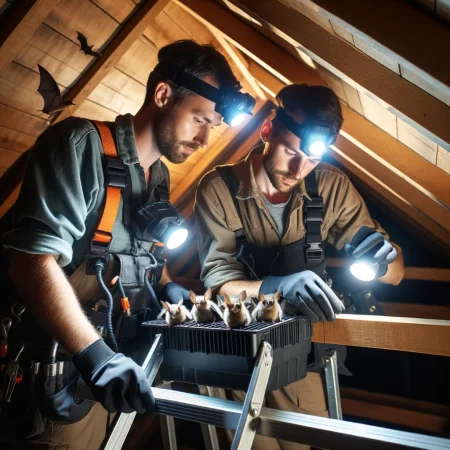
{"x": 364, "y": 270}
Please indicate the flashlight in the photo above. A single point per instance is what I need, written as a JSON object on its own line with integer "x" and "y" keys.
{"x": 364, "y": 270}
{"x": 315, "y": 136}
{"x": 159, "y": 222}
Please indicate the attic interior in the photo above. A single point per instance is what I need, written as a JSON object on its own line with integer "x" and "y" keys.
{"x": 387, "y": 62}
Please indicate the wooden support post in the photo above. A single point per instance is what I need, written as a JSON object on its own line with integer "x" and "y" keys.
{"x": 431, "y": 337}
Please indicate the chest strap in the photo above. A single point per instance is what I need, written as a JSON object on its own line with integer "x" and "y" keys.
{"x": 115, "y": 181}
{"x": 313, "y": 212}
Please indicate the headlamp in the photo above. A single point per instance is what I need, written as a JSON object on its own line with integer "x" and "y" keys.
{"x": 231, "y": 104}
{"x": 315, "y": 136}
{"x": 161, "y": 222}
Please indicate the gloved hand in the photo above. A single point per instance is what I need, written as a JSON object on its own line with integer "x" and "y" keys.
{"x": 306, "y": 293}
{"x": 117, "y": 382}
{"x": 374, "y": 246}
{"x": 173, "y": 292}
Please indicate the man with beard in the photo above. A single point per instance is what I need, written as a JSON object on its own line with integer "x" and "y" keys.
{"x": 263, "y": 223}
{"x": 56, "y": 217}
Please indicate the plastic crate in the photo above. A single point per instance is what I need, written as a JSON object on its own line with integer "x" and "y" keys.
{"x": 211, "y": 355}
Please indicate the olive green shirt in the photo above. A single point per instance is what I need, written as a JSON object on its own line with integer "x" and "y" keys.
{"x": 63, "y": 191}
{"x": 344, "y": 214}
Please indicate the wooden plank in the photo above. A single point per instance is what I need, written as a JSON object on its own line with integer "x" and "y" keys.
{"x": 387, "y": 25}
{"x": 15, "y": 140}
{"x": 443, "y": 159}
{"x": 425, "y": 416}
{"x": 18, "y": 24}
{"x": 416, "y": 141}
{"x": 425, "y": 336}
{"x": 8, "y": 157}
{"x": 105, "y": 96}
{"x": 5, "y": 206}
{"x": 379, "y": 115}
{"x": 118, "y": 46}
{"x": 118, "y": 10}
{"x": 353, "y": 100}
{"x": 416, "y": 311}
{"x": 91, "y": 110}
{"x": 421, "y": 110}
{"x": 18, "y": 120}
{"x": 138, "y": 60}
{"x": 343, "y": 33}
{"x": 61, "y": 48}
{"x": 126, "y": 85}
{"x": 84, "y": 16}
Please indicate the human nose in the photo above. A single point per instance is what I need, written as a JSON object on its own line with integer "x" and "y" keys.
{"x": 298, "y": 165}
{"x": 202, "y": 137}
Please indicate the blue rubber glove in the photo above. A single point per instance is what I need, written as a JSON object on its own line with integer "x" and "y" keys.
{"x": 307, "y": 294}
{"x": 173, "y": 292}
{"x": 116, "y": 381}
{"x": 372, "y": 245}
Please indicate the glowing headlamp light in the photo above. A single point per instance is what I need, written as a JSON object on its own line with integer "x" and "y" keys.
{"x": 161, "y": 222}
{"x": 231, "y": 104}
{"x": 364, "y": 270}
{"x": 315, "y": 137}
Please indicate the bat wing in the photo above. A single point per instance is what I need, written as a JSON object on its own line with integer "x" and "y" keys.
{"x": 83, "y": 42}
{"x": 93, "y": 53}
{"x": 216, "y": 310}
{"x": 49, "y": 91}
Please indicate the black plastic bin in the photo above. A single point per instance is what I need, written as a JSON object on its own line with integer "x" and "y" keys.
{"x": 211, "y": 355}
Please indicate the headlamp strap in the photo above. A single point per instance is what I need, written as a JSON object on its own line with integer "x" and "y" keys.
{"x": 313, "y": 217}
{"x": 292, "y": 125}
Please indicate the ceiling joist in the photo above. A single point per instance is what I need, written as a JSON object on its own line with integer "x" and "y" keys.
{"x": 416, "y": 107}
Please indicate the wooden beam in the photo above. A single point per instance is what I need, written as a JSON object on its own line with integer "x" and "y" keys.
{"x": 406, "y": 412}
{"x": 128, "y": 33}
{"x": 416, "y": 107}
{"x": 416, "y": 311}
{"x": 425, "y": 336}
{"x": 238, "y": 60}
{"x": 386, "y": 26}
{"x": 411, "y": 273}
{"x": 18, "y": 24}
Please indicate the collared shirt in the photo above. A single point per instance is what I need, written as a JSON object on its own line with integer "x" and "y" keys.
{"x": 63, "y": 193}
{"x": 344, "y": 214}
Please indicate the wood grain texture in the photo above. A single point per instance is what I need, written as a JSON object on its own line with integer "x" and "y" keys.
{"x": 407, "y": 101}
{"x": 128, "y": 34}
{"x": 431, "y": 337}
{"x": 18, "y": 24}
{"x": 416, "y": 311}
{"x": 443, "y": 159}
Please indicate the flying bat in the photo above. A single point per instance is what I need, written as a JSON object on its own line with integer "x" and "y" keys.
{"x": 84, "y": 47}
{"x": 49, "y": 90}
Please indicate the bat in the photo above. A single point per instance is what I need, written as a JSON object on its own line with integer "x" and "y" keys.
{"x": 204, "y": 309}
{"x": 177, "y": 313}
{"x": 268, "y": 308}
{"x": 84, "y": 47}
{"x": 49, "y": 90}
{"x": 236, "y": 314}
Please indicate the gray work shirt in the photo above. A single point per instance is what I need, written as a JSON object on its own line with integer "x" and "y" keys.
{"x": 279, "y": 213}
{"x": 63, "y": 191}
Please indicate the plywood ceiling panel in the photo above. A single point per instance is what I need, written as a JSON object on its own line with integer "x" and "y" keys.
{"x": 443, "y": 160}
{"x": 118, "y": 10}
{"x": 381, "y": 117}
{"x": 15, "y": 140}
{"x": 7, "y": 157}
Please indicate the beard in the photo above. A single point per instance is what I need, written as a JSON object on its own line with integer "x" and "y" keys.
{"x": 167, "y": 139}
{"x": 277, "y": 177}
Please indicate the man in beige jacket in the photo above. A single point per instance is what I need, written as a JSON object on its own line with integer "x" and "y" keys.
{"x": 273, "y": 199}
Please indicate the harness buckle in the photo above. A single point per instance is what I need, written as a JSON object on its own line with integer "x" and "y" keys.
{"x": 98, "y": 251}
{"x": 314, "y": 252}
{"x": 115, "y": 174}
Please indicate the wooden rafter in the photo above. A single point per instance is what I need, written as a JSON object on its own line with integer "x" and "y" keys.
{"x": 386, "y": 26}
{"x": 131, "y": 30}
{"x": 416, "y": 107}
{"x": 425, "y": 336}
{"x": 18, "y": 24}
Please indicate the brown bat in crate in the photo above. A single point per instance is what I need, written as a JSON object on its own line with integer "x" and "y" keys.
{"x": 268, "y": 308}
{"x": 175, "y": 313}
{"x": 236, "y": 314}
{"x": 204, "y": 309}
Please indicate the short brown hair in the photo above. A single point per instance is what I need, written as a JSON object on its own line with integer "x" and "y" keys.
{"x": 318, "y": 103}
{"x": 196, "y": 59}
